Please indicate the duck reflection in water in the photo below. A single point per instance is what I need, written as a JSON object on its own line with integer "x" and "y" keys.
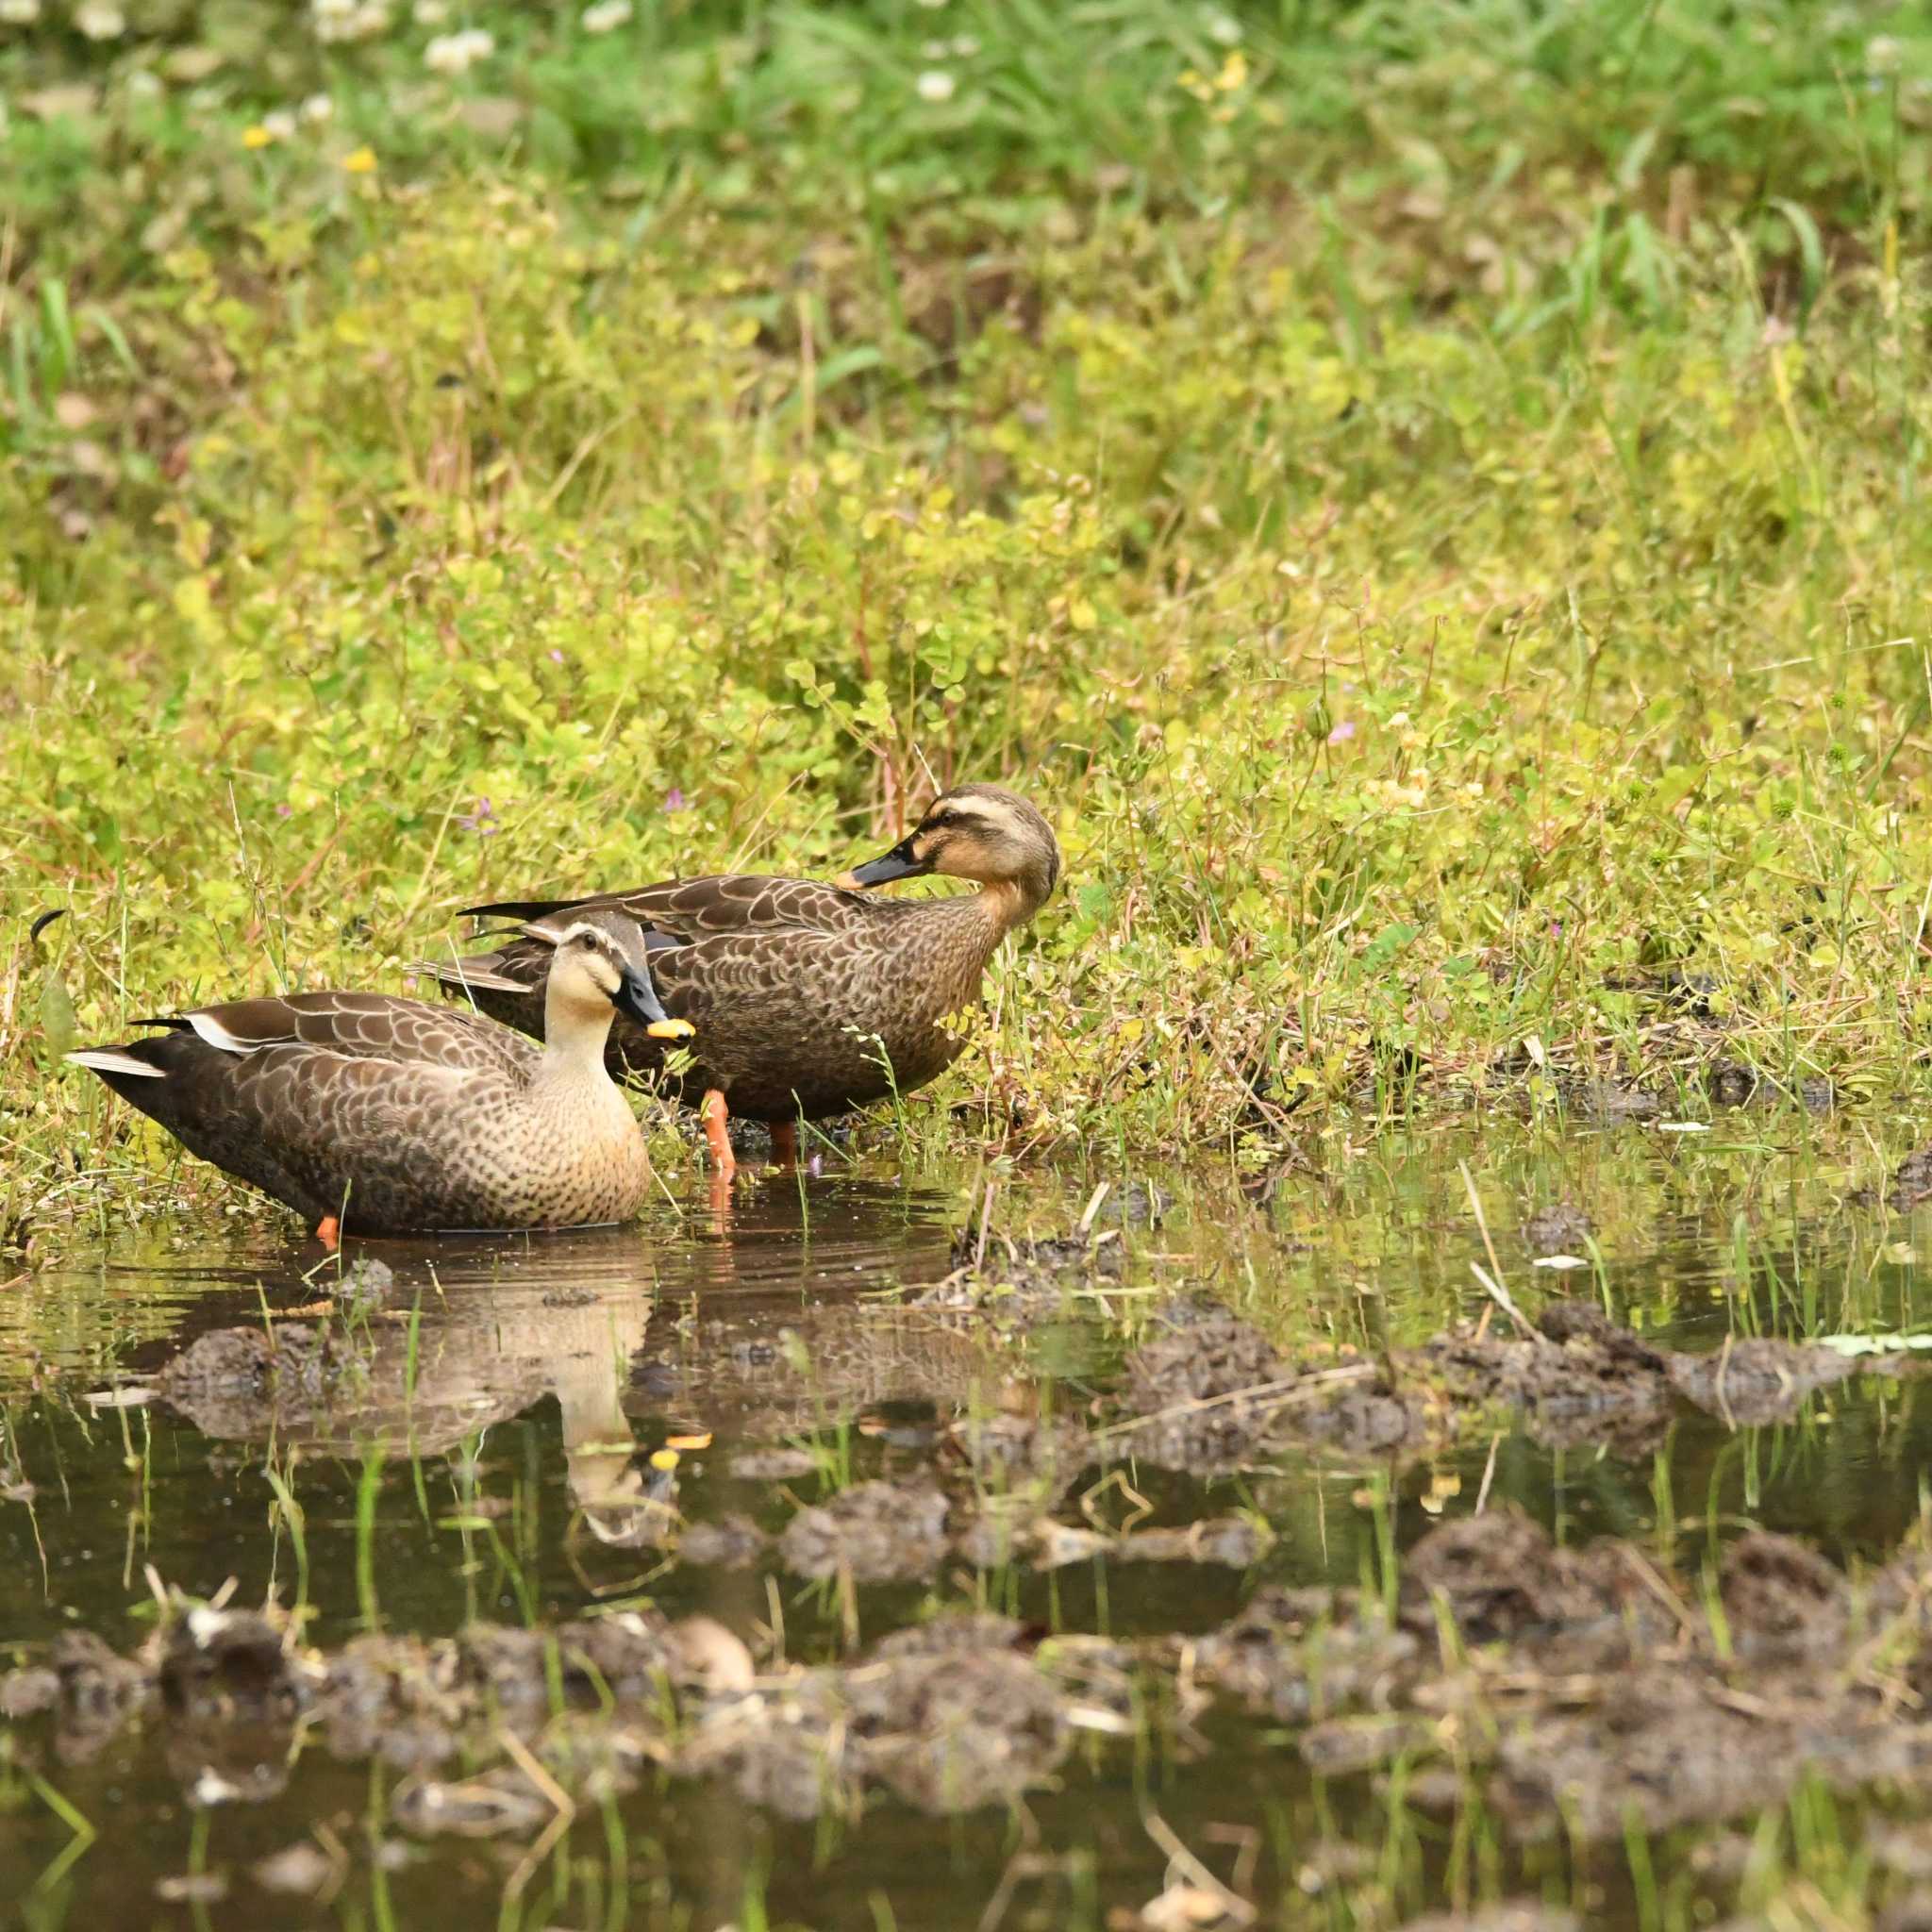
{"x": 508, "y": 1328}
{"x": 499, "y": 1325}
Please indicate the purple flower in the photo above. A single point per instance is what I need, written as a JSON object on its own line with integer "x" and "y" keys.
{"x": 556, "y": 657}
{"x": 482, "y": 820}
{"x": 673, "y": 800}
{"x": 1342, "y": 732}
{"x": 285, "y": 811}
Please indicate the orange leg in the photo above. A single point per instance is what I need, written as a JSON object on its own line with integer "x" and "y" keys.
{"x": 785, "y": 1143}
{"x": 718, "y": 1137}
{"x": 328, "y": 1231}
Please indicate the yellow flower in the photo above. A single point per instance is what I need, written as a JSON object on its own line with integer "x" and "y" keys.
{"x": 362, "y": 161}
{"x": 256, "y": 136}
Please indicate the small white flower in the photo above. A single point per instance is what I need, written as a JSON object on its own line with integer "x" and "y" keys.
{"x": 317, "y": 108}
{"x": 936, "y": 85}
{"x": 1882, "y": 54}
{"x": 348, "y": 20}
{"x": 604, "y": 16}
{"x": 1225, "y": 30}
{"x": 965, "y": 45}
{"x": 934, "y": 5}
{"x": 143, "y": 85}
{"x": 429, "y": 12}
{"x": 100, "y": 19}
{"x": 20, "y": 12}
{"x": 455, "y": 54}
{"x": 280, "y": 124}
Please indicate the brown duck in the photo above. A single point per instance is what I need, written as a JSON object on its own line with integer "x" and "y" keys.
{"x": 394, "y": 1116}
{"x": 807, "y": 999}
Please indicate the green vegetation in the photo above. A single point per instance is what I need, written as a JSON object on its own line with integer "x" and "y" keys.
{"x": 1426, "y": 495}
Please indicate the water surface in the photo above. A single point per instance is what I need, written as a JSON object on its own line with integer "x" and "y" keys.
{"x": 498, "y": 1455}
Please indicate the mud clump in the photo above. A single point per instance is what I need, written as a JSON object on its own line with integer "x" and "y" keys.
{"x": 1561, "y": 1228}
{"x": 1911, "y": 1182}
{"x": 954, "y": 1728}
{"x": 1590, "y": 1688}
{"x": 628, "y": 1657}
{"x": 1783, "y": 1602}
{"x": 1024, "y": 1277}
{"x": 1303, "y": 1655}
{"x": 392, "y": 1698}
{"x": 1581, "y": 1379}
{"x": 1612, "y": 1103}
{"x": 240, "y": 1382}
{"x": 1215, "y": 1396}
{"x": 1041, "y": 1456}
{"x": 1756, "y": 1381}
{"x": 99, "y": 1693}
{"x": 875, "y": 1532}
{"x": 950, "y": 1715}
{"x": 28, "y": 1691}
{"x": 1502, "y": 1580}
{"x": 728, "y": 1543}
{"x": 1204, "y": 1389}
{"x": 220, "y": 1666}
{"x": 1669, "y": 1747}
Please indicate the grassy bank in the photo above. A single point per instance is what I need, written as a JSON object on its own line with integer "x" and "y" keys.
{"x": 1427, "y": 498}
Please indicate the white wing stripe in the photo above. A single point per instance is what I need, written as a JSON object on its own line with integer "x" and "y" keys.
{"x": 217, "y": 1035}
{"x": 104, "y": 1060}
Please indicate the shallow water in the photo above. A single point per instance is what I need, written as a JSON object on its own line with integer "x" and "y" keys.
{"x": 490, "y": 1457}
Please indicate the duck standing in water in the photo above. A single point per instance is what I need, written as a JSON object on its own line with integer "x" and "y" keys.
{"x": 396, "y": 1116}
{"x": 807, "y": 999}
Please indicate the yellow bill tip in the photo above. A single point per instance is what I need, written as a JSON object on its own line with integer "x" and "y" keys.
{"x": 849, "y": 881}
{"x": 670, "y": 1029}
{"x": 664, "y": 1461}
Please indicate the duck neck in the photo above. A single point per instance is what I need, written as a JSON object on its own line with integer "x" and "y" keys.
{"x": 1005, "y": 904}
{"x": 574, "y": 1038}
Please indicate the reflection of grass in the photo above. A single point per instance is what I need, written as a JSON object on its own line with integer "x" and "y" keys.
{"x": 287, "y": 1513}
{"x": 368, "y": 1490}
{"x": 81, "y": 1829}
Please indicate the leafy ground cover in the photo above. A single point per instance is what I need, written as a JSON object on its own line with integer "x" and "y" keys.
{"x": 1426, "y": 496}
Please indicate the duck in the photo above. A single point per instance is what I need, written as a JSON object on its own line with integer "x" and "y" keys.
{"x": 392, "y": 1116}
{"x": 808, "y": 999}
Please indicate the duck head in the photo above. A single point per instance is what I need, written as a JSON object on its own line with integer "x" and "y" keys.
{"x": 981, "y": 832}
{"x": 599, "y": 964}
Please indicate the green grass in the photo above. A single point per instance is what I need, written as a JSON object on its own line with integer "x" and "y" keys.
{"x": 1425, "y": 496}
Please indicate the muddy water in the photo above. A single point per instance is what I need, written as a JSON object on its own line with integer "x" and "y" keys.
{"x": 631, "y": 1430}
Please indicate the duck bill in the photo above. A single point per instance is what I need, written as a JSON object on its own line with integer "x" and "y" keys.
{"x": 901, "y": 862}
{"x": 638, "y": 999}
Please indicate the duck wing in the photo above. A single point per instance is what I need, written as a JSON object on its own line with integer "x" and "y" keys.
{"x": 359, "y": 1026}
{"x": 738, "y": 932}
{"x": 691, "y": 909}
